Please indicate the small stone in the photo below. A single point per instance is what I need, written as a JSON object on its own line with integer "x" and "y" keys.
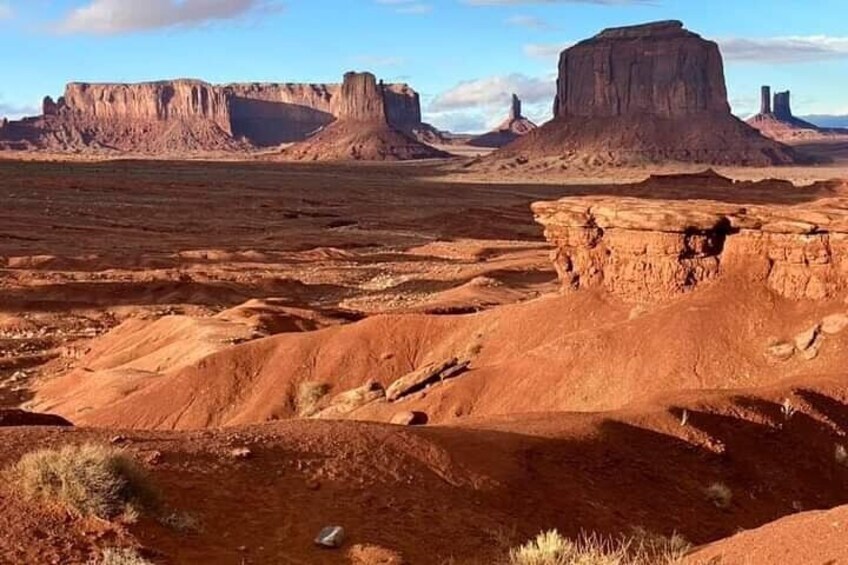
{"x": 153, "y": 458}
{"x": 812, "y": 352}
{"x": 312, "y": 484}
{"x": 241, "y": 453}
{"x": 834, "y": 323}
{"x": 118, "y": 439}
{"x": 806, "y": 339}
{"x": 331, "y": 537}
{"x": 410, "y": 419}
{"x": 782, "y": 351}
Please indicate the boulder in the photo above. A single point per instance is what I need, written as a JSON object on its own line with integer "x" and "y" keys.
{"x": 425, "y": 376}
{"x": 834, "y": 324}
{"x": 410, "y": 419}
{"x": 331, "y": 537}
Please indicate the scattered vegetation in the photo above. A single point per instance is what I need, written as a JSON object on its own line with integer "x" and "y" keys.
{"x": 182, "y": 522}
{"x": 788, "y": 409}
{"x": 841, "y": 455}
{"x": 112, "y": 556}
{"x": 309, "y": 394}
{"x": 89, "y": 480}
{"x": 640, "y": 548}
{"x": 720, "y": 495}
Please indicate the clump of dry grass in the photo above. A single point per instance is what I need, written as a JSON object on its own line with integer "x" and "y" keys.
{"x": 719, "y": 494}
{"x": 309, "y": 394}
{"x": 640, "y": 548}
{"x": 115, "y": 556}
{"x": 88, "y": 480}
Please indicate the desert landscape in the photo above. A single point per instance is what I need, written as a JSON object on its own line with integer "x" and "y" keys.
{"x": 256, "y": 323}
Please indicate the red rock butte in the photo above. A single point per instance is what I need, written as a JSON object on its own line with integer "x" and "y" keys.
{"x": 646, "y": 93}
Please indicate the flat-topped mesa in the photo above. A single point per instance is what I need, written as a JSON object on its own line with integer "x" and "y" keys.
{"x": 657, "y": 69}
{"x": 652, "y": 93}
{"x": 190, "y": 114}
{"x": 183, "y": 99}
{"x": 654, "y": 249}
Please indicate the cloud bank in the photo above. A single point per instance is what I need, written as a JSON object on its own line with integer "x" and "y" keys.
{"x": 107, "y": 17}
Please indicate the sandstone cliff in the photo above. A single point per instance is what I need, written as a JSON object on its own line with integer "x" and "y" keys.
{"x": 641, "y": 94}
{"x": 645, "y": 249}
{"x": 191, "y": 115}
{"x": 363, "y": 131}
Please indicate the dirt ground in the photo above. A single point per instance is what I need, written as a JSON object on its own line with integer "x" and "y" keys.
{"x": 183, "y": 303}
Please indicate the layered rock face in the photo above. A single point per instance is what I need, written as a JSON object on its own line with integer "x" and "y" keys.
{"x": 658, "y": 69}
{"x": 364, "y": 130}
{"x": 644, "y": 94}
{"x": 155, "y": 101}
{"x": 194, "y": 115}
{"x": 515, "y": 126}
{"x": 645, "y": 249}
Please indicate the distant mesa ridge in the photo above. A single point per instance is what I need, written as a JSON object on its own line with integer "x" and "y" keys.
{"x": 189, "y": 114}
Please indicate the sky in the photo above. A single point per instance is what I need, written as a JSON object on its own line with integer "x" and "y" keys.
{"x": 465, "y": 57}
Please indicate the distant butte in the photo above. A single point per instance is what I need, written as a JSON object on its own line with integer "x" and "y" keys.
{"x": 775, "y": 120}
{"x": 515, "y": 126}
{"x": 644, "y": 94}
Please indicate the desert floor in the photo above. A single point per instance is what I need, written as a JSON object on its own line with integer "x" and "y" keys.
{"x": 174, "y": 307}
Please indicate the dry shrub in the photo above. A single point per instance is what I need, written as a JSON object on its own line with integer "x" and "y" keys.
{"x": 640, "y": 548}
{"x": 309, "y": 394}
{"x": 113, "y": 556}
{"x": 89, "y": 480}
{"x": 720, "y": 495}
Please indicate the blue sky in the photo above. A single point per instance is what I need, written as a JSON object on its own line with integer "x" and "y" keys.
{"x": 463, "y": 56}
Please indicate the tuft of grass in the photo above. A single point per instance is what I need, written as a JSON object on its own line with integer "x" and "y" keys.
{"x": 182, "y": 522}
{"x": 640, "y": 548}
{"x": 117, "y": 556}
{"x": 719, "y": 494}
{"x": 309, "y": 394}
{"x": 840, "y": 454}
{"x": 88, "y": 480}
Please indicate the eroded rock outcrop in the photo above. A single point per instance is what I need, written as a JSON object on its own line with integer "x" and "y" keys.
{"x": 515, "y": 126}
{"x": 364, "y": 131}
{"x": 193, "y": 115}
{"x": 776, "y": 120}
{"x": 654, "y": 248}
{"x": 646, "y": 93}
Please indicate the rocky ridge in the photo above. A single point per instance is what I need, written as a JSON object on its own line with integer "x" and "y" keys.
{"x": 652, "y": 249}
{"x": 192, "y": 115}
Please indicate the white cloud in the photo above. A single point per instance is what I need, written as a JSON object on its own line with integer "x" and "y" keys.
{"x": 531, "y": 22}
{"x": 105, "y": 17}
{"x": 484, "y": 103}
{"x": 379, "y": 60}
{"x": 495, "y": 91}
{"x": 6, "y": 12}
{"x": 408, "y": 6}
{"x": 16, "y": 111}
{"x": 522, "y": 2}
{"x": 547, "y": 51}
{"x": 782, "y": 50}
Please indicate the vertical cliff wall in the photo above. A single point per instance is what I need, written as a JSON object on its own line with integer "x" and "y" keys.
{"x": 160, "y": 116}
{"x": 648, "y": 93}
